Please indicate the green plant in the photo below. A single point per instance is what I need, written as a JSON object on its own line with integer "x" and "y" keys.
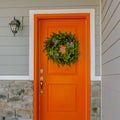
{"x": 62, "y": 48}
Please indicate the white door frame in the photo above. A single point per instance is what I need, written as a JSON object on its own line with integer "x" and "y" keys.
{"x": 92, "y": 35}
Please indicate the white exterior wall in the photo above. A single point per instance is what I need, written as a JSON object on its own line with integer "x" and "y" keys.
{"x": 111, "y": 59}
{"x": 14, "y": 51}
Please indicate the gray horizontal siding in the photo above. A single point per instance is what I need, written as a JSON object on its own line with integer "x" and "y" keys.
{"x": 111, "y": 13}
{"x": 112, "y": 53}
{"x": 111, "y": 37}
{"x": 14, "y": 50}
{"x": 106, "y": 9}
{"x": 29, "y": 3}
{"x": 114, "y": 81}
{"x": 24, "y": 11}
{"x": 14, "y": 41}
{"x": 14, "y": 69}
{"x": 111, "y": 59}
{"x": 112, "y": 21}
{"x": 112, "y": 67}
{"x": 13, "y": 60}
{"x": 111, "y": 97}
{"x": 114, "y": 35}
{"x": 103, "y": 3}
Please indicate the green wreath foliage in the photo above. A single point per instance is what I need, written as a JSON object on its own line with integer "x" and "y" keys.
{"x": 62, "y": 48}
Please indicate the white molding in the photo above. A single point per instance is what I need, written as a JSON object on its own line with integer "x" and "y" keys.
{"x": 16, "y": 78}
{"x": 31, "y": 43}
{"x": 92, "y": 29}
{"x": 97, "y": 78}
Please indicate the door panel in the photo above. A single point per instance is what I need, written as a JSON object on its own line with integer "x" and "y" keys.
{"x": 57, "y": 103}
{"x": 65, "y": 88}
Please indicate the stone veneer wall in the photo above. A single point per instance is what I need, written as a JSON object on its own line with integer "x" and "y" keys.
{"x": 16, "y": 100}
{"x": 96, "y": 100}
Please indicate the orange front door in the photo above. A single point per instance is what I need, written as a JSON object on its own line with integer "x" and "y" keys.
{"x": 66, "y": 89}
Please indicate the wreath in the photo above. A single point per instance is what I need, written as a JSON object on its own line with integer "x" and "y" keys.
{"x": 62, "y": 48}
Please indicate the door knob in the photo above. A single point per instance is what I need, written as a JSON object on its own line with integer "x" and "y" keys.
{"x": 41, "y": 86}
{"x": 41, "y": 78}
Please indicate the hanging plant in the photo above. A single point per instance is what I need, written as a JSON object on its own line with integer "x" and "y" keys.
{"x": 62, "y": 48}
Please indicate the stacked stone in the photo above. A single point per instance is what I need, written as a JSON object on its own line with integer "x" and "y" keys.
{"x": 16, "y": 100}
{"x": 96, "y": 100}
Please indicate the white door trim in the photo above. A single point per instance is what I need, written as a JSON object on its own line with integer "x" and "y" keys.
{"x": 92, "y": 35}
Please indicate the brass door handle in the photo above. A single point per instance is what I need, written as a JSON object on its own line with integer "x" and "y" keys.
{"x": 41, "y": 84}
{"x": 41, "y": 78}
